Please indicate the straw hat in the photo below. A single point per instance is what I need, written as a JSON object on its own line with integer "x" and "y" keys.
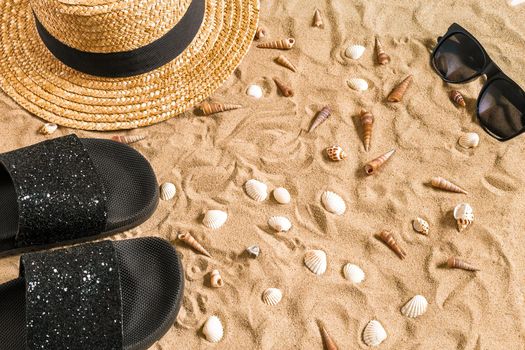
{"x": 119, "y": 64}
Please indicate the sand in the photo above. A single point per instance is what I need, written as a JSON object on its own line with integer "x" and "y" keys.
{"x": 210, "y": 158}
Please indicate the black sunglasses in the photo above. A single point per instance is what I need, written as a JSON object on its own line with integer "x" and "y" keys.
{"x": 459, "y": 58}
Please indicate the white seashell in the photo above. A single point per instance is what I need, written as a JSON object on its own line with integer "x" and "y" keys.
{"x": 167, "y": 191}
{"x": 280, "y": 223}
{"x": 272, "y": 296}
{"x": 469, "y": 140}
{"x": 213, "y": 330}
{"x": 254, "y": 91}
{"x": 256, "y": 190}
{"x": 374, "y": 333}
{"x": 416, "y": 306}
{"x": 315, "y": 261}
{"x": 358, "y": 84}
{"x": 48, "y": 128}
{"x": 355, "y": 51}
{"x": 354, "y": 273}
{"x": 421, "y": 226}
{"x": 333, "y": 203}
{"x": 281, "y": 195}
{"x": 464, "y": 215}
{"x": 214, "y": 219}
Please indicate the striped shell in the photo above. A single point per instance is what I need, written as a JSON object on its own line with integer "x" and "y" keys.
{"x": 355, "y": 51}
{"x": 272, "y": 296}
{"x": 358, "y": 84}
{"x": 469, "y": 140}
{"x": 336, "y": 153}
{"x": 354, "y": 273}
{"x": 256, "y": 190}
{"x": 167, "y": 191}
{"x": 48, "y": 128}
{"x": 421, "y": 225}
{"x": 315, "y": 261}
{"x": 374, "y": 333}
{"x": 415, "y": 307}
{"x": 280, "y": 223}
{"x": 333, "y": 203}
{"x": 282, "y": 195}
{"x": 213, "y": 330}
{"x": 214, "y": 219}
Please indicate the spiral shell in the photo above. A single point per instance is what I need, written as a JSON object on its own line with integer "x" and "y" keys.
{"x": 336, "y": 153}
{"x": 187, "y": 238}
{"x": 464, "y": 215}
{"x": 167, "y": 191}
{"x": 456, "y": 263}
{"x": 280, "y": 223}
{"x": 421, "y": 225}
{"x": 320, "y": 118}
{"x": 367, "y": 122}
{"x": 358, "y": 84}
{"x": 333, "y": 203}
{"x": 315, "y": 261}
{"x": 214, "y": 219}
{"x": 372, "y": 166}
{"x": 257, "y": 190}
{"x": 283, "y": 44}
{"x": 457, "y": 98}
{"x": 216, "y": 280}
{"x": 469, "y": 140}
{"x": 285, "y": 62}
{"x": 354, "y": 273}
{"x": 286, "y": 91}
{"x": 272, "y": 296}
{"x": 261, "y": 33}
{"x": 399, "y": 91}
{"x": 282, "y": 195}
{"x": 374, "y": 333}
{"x": 213, "y": 329}
{"x": 382, "y": 57}
{"x": 318, "y": 19}
{"x": 48, "y": 128}
{"x": 355, "y": 52}
{"x": 387, "y": 237}
{"x": 415, "y": 307}
{"x": 209, "y": 108}
{"x": 328, "y": 342}
{"x": 443, "y": 184}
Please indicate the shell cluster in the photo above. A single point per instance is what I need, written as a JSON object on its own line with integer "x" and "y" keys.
{"x": 272, "y": 296}
{"x": 333, "y": 203}
{"x": 315, "y": 261}
{"x": 167, "y": 191}
{"x": 280, "y": 223}
{"x": 214, "y": 219}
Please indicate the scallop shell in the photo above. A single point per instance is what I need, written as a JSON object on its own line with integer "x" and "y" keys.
{"x": 464, "y": 215}
{"x": 333, "y": 203}
{"x": 416, "y": 306}
{"x": 167, "y": 191}
{"x": 213, "y": 330}
{"x": 469, "y": 140}
{"x": 254, "y": 91}
{"x": 421, "y": 226}
{"x": 315, "y": 261}
{"x": 355, "y": 51}
{"x": 354, "y": 273}
{"x": 282, "y": 195}
{"x": 280, "y": 223}
{"x": 256, "y": 190}
{"x": 374, "y": 333}
{"x": 48, "y": 128}
{"x": 358, "y": 84}
{"x": 272, "y": 296}
{"x": 214, "y": 219}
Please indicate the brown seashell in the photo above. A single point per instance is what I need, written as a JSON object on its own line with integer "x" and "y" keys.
{"x": 382, "y": 57}
{"x": 211, "y": 108}
{"x": 367, "y": 121}
{"x": 127, "y": 139}
{"x": 386, "y": 236}
{"x": 457, "y": 98}
{"x": 260, "y": 33}
{"x": 283, "y": 44}
{"x": 328, "y": 342}
{"x": 285, "y": 62}
{"x": 372, "y": 166}
{"x": 187, "y": 238}
{"x": 216, "y": 279}
{"x": 441, "y": 183}
{"x": 285, "y": 90}
{"x": 397, "y": 94}
{"x": 318, "y": 20}
{"x": 320, "y": 118}
{"x": 336, "y": 153}
{"x": 455, "y": 263}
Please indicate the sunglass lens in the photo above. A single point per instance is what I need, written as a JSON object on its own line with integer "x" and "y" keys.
{"x": 459, "y": 58}
{"x": 501, "y": 109}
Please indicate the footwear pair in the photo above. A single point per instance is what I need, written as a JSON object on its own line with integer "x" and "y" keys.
{"x": 105, "y": 295}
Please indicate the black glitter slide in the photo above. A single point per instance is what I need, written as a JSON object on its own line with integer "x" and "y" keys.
{"x": 70, "y": 190}
{"x": 121, "y": 295}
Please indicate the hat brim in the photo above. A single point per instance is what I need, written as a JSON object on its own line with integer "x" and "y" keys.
{"x": 40, "y": 83}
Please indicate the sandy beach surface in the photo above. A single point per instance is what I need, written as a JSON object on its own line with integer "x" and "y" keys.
{"x": 210, "y": 158}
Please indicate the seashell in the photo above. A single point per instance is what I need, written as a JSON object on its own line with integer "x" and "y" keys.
{"x": 358, "y": 84}
{"x": 214, "y": 219}
{"x": 187, "y": 238}
{"x": 441, "y": 183}
{"x": 283, "y": 44}
{"x": 367, "y": 121}
{"x": 48, "y": 128}
{"x": 320, "y": 118}
{"x": 372, "y": 166}
{"x": 254, "y": 91}
{"x": 386, "y": 236}
{"x": 336, "y": 153}
{"x": 280, "y": 223}
{"x": 333, "y": 203}
{"x": 464, "y": 216}
{"x": 208, "y": 108}
{"x": 328, "y": 342}
{"x": 282, "y": 195}
{"x": 469, "y": 140}
{"x": 382, "y": 57}
{"x": 355, "y": 52}
{"x": 421, "y": 226}
{"x": 318, "y": 20}
{"x": 286, "y": 91}
{"x": 315, "y": 261}
{"x": 272, "y": 296}
{"x": 128, "y": 139}
{"x": 354, "y": 273}
{"x": 167, "y": 191}
{"x": 399, "y": 91}
{"x": 261, "y": 33}
{"x": 213, "y": 330}
{"x": 256, "y": 190}
{"x": 374, "y": 333}
{"x": 254, "y": 251}
{"x": 216, "y": 279}
{"x": 457, "y": 98}
{"x": 415, "y": 307}
{"x": 285, "y": 62}
{"x": 455, "y": 263}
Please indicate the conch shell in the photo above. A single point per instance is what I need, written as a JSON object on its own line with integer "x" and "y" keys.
{"x": 455, "y": 263}
{"x": 127, "y": 139}
{"x": 372, "y": 166}
{"x": 367, "y": 121}
{"x": 443, "y": 184}
{"x": 216, "y": 279}
{"x": 208, "y": 108}
{"x": 283, "y": 44}
{"x": 336, "y": 153}
{"x": 397, "y": 94}
{"x": 320, "y": 118}
{"x": 318, "y": 20}
{"x": 457, "y": 98}
{"x": 382, "y": 57}
{"x": 285, "y": 62}
{"x": 285, "y": 90}
{"x": 386, "y": 236}
{"x": 187, "y": 238}
{"x": 260, "y": 33}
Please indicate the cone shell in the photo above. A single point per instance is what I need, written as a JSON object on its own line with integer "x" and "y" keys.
{"x": 214, "y": 219}
{"x": 336, "y": 153}
{"x": 315, "y": 261}
{"x": 261, "y": 33}
{"x": 213, "y": 330}
{"x": 367, "y": 121}
{"x": 216, "y": 279}
{"x": 283, "y": 44}
{"x": 167, "y": 191}
{"x": 187, "y": 238}
{"x": 128, "y": 139}
{"x": 397, "y": 94}
{"x": 464, "y": 215}
{"x": 387, "y": 237}
{"x": 318, "y": 19}
{"x": 281, "y": 195}
{"x": 358, "y": 84}
{"x": 355, "y": 52}
{"x": 285, "y": 62}
{"x": 257, "y": 190}
{"x": 456, "y": 263}
{"x": 328, "y": 342}
{"x": 48, "y": 128}
{"x": 280, "y": 223}
{"x": 457, "y": 98}
{"x": 286, "y": 91}
{"x": 374, "y": 333}
{"x": 443, "y": 184}
{"x": 382, "y": 57}
{"x": 421, "y": 225}
{"x": 469, "y": 140}
{"x": 354, "y": 273}
{"x": 320, "y": 118}
{"x": 372, "y": 166}
{"x": 333, "y": 203}
{"x": 272, "y": 296}
{"x": 208, "y": 108}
